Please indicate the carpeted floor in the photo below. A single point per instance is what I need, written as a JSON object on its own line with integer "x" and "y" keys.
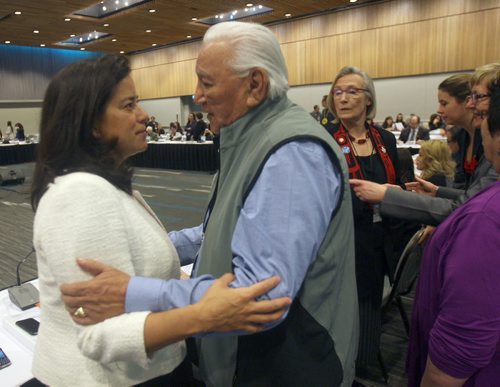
{"x": 179, "y": 199}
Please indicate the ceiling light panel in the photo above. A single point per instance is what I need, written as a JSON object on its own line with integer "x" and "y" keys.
{"x": 236, "y": 14}
{"x": 109, "y": 7}
{"x": 85, "y": 38}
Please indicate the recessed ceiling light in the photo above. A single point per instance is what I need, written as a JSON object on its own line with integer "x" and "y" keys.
{"x": 36, "y": 31}
{"x": 148, "y": 30}
{"x": 17, "y": 12}
{"x": 188, "y": 36}
{"x": 152, "y": 10}
{"x": 194, "y": 18}
{"x": 106, "y": 24}
{"x": 42, "y": 45}
{"x": 72, "y": 36}
{"x": 249, "y": 5}
{"x": 113, "y": 40}
{"x": 67, "y": 19}
{"x": 288, "y": 15}
{"x": 82, "y": 49}
{"x": 122, "y": 52}
{"x": 353, "y": 1}
{"x": 154, "y": 44}
{"x": 7, "y": 42}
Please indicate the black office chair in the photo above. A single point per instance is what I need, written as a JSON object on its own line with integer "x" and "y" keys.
{"x": 406, "y": 273}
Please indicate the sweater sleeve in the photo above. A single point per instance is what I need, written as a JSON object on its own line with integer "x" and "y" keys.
{"x": 414, "y": 207}
{"x": 465, "y": 335}
{"x": 81, "y": 216}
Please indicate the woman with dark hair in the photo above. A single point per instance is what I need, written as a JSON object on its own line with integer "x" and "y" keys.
{"x": 85, "y": 207}
{"x": 175, "y": 134}
{"x": 436, "y": 122}
{"x": 400, "y": 123}
{"x": 20, "y": 132}
{"x": 371, "y": 154}
{"x": 455, "y": 330}
{"x": 190, "y": 124}
{"x": 453, "y": 94}
{"x": 179, "y": 127}
{"x": 388, "y": 123}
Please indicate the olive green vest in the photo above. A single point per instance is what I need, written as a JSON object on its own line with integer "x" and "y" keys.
{"x": 326, "y": 305}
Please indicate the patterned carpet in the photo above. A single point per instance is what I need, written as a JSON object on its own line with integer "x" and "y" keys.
{"x": 179, "y": 199}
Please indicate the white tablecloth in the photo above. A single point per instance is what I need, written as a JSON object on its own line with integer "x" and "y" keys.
{"x": 15, "y": 342}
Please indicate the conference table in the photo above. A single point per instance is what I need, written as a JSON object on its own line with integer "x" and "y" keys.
{"x": 17, "y": 153}
{"x": 17, "y": 344}
{"x": 182, "y": 155}
{"x": 412, "y": 146}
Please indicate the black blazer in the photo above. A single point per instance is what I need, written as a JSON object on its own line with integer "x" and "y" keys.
{"x": 198, "y": 130}
{"x": 422, "y": 134}
{"x": 462, "y": 180}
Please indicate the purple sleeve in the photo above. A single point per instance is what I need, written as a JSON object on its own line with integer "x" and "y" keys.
{"x": 465, "y": 336}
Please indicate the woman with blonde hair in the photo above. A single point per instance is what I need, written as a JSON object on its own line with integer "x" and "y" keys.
{"x": 436, "y": 163}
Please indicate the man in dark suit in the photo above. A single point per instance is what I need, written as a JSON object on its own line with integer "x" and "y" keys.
{"x": 414, "y": 132}
{"x": 199, "y": 128}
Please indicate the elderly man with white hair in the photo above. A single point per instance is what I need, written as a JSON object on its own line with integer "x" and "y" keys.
{"x": 280, "y": 205}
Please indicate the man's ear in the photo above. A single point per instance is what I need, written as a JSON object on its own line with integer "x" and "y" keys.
{"x": 258, "y": 87}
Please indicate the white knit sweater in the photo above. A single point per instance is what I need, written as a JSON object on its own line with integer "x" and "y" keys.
{"x": 83, "y": 215}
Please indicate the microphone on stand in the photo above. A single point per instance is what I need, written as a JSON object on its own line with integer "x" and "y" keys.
{"x": 24, "y": 296}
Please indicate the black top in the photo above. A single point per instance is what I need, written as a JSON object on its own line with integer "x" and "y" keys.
{"x": 198, "y": 130}
{"x": 373, "y": 243}
{"x": 438, "y": 179}
{"x": 462, "y": 179}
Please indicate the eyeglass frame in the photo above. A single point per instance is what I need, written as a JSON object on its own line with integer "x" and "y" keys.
{"x": 342, "y": 91}
{"x": 475, "y": 97}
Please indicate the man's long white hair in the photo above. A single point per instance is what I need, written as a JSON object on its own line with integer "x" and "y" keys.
{"x": 252, "y": 45}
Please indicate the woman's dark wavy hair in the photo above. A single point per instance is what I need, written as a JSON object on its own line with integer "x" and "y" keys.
{"x": 74, "y": 105}
{"x": 494, "y": 109}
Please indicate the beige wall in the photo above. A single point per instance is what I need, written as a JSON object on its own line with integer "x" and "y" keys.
{"x": 390, "y": 39}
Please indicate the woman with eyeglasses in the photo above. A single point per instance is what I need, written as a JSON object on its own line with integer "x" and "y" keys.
{"x": 370, "y": 154}
{"x": 430, "y": 204}
{"x": 455, "y": 330}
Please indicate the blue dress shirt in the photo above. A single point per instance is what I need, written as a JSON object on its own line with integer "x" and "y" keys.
{"x": 294, "y": 196}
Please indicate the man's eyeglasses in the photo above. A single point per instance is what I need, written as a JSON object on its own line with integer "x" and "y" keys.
{"x": 350, "y": 92}
{"x": 478, "y": 97}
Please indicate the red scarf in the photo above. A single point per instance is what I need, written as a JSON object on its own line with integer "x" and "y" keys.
{"x": 355, "y": 172}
